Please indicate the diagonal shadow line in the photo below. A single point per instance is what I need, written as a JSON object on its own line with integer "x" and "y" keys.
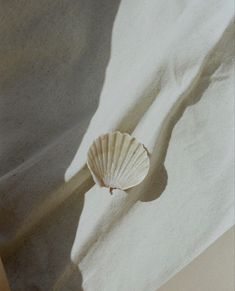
{"x": 156, "y": 181}
{"x": 78, "y": 185}
{"x": 95, "y": 60}
{"x": 142, "y": 104}
{"x": 64, "y": 277}
{"x": 71, "y": 197}
{"x": 154, "y": 185}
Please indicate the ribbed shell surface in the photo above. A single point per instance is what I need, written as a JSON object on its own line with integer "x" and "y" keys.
{"x": 117, "y": 160}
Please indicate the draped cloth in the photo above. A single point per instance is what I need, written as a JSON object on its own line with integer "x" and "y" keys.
{"x": 72, "y": 70}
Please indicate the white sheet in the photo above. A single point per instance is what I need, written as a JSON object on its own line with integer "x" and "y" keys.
{"x": 169, "y": 82}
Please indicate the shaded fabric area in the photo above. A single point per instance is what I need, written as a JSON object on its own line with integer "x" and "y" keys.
{"x": 53, "y": 60}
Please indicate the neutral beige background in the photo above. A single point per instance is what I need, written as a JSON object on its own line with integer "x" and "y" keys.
{"x": 213, "y": 270}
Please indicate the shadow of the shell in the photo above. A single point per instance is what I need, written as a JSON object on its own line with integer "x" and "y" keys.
{"x": 156, "y": 181}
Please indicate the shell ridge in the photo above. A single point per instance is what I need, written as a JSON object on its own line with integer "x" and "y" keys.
{"x": 139, "y": 175}
{"x": 113, "y": 155}
{"x": 104, "y": 156}
{"x": 96, "y": 146}
{"x": 139, "y": 159}
{"x": 114, "y": 138}
{"x": 121, "y": 158}
{"x": 116, "y": 157}
{"x": 101, "y": 155}
{"x": 125, "y": 160}
{"x": 118, "y": 160}
{"x": 92, "y": 162}
{"x": 93, "y": 165}
{"x": 108, "y": 160}
{"x": 128, "y": 160}
{"x": 140, "y": 162}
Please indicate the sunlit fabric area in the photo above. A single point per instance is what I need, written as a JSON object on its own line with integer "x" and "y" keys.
{"x": 160, "y": 71}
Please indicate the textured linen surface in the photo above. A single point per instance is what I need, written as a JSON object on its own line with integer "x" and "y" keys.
{"x": 160, "y": 70}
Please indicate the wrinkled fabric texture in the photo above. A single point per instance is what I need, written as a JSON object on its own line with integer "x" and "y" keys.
{"x": 159, "y": 70}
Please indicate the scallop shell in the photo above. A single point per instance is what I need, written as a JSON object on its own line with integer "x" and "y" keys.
{"x": 118, "y": 161}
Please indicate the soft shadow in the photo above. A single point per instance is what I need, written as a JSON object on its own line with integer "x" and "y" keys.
{"x": 134, "y": 115}
{"x": 156, "y": 181}
{"x": 43, "y": 257}
{"x": 54, "y": 56}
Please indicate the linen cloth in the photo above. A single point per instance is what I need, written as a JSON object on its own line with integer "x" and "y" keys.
{"x": 169, "y": 82}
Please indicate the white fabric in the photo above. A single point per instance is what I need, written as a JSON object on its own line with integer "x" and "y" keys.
{"x": 169, "y": 81}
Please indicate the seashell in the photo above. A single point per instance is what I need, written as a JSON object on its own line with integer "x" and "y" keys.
{"x": 118, "y": 161}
